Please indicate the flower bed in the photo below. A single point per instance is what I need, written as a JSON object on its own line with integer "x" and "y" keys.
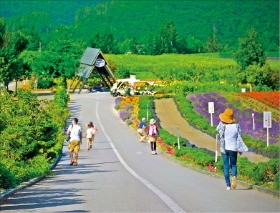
{"x": 200, "y": 104}
{"x": 269, "y": 98}
{"x": 128, "y": 109}
{"x": 264, "y": 174}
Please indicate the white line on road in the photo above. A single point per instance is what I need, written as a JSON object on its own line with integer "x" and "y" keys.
{"x": 167, "y": 200}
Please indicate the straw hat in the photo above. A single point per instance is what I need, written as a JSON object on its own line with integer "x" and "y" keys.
{"x": 152, "y": 121}
{"x": 227, "y": 116}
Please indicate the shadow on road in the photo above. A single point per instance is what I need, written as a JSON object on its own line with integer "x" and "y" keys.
{"x": 43, "y": 197}
{"x": 59, "y": 190}
{"x": 74, "y": 108}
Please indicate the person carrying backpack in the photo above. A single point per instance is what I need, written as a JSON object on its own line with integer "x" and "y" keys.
{"x": 153, "y": 135}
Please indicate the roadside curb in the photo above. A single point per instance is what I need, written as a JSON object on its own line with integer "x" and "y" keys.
{"x": 5, "y": 195}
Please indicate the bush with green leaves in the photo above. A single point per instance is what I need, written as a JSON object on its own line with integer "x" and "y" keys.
{"x": 145, "y": 107}
{"x": 45, "y": 83}
{"x": 7, "y": 178}
{"x": 31, "y": 136}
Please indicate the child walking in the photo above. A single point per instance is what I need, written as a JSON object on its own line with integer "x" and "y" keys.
{"x": 91, "y": 130}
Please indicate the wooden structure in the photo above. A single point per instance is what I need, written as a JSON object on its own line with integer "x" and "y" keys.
{"x": 93, "y": 61}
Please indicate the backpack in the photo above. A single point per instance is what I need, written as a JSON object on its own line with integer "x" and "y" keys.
{"x": 152, "y": 129}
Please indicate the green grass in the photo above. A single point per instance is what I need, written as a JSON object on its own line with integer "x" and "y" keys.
{"x": 274, "y": 64}
{"x": 204, "y": 67}
{"x": 150, "y": 67}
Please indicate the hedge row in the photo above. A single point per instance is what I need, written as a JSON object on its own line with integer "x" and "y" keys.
{"x": 31, "y": 135}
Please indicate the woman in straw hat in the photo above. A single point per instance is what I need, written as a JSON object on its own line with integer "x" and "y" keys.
{"x": 228, "y": 130}
{"x": 153, "y": 135}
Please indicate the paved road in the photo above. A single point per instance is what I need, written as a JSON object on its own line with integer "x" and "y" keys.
{"x": 120, "y": 175}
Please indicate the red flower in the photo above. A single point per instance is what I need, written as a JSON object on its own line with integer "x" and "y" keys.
{"x": 268, "y": 98}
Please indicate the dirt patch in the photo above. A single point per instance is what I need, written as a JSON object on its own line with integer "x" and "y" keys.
{"x": 170, "y": 119}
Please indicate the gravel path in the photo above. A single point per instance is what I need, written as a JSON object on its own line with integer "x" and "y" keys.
{"x": 170, "y": 119}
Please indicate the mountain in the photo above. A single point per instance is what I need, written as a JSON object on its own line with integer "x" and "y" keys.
{"x": 194, "y": 20}
{"x": 197, "y": 19}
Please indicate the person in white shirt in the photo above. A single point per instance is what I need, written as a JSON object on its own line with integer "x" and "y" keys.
{"x": 90, "y": 133}
{"x": 228, "y": 130}
{"x": 75, "y": 132}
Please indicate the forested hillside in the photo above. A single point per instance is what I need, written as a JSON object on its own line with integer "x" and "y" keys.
{"x": 131, "y": 23}
{"x": 194, "y": 20}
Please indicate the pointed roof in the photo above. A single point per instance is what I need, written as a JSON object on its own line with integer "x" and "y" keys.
{"x": 92, "y": 59}
{"x": 90, "y": 55}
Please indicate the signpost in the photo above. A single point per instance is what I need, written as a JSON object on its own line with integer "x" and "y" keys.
{"x": 211, "y": 110}
{"x": 178, "y": 137}
{"x": 253, "y": 117}
{"x": 267, "y": 123}
{"x": 147, "y": 112}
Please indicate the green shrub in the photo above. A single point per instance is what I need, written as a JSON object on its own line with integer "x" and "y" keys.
{"x": 202, "y": 158}
{"x": 7, "y": 179}
{"x": 168, "y": 138}
{"x": 145, "y": 107}
{"x": 30, "y": 136}
{"x": 45, "y": 83}
{"x": 61, "y": 97}
{"x": 276, "y": 181}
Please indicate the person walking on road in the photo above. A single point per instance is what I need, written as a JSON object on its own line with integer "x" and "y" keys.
{"x": 75, "y": 132}
{"x": 90, "y": 133}
{"x": 228, "y": 130}
{"x": 142, "y": 130}
{"x": 153, "y": 135}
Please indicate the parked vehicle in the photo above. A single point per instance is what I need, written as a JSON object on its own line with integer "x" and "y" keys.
{"x": 131, "y": 86}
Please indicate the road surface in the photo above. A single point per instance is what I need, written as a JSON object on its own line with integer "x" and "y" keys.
{"x": 120, "y": 175}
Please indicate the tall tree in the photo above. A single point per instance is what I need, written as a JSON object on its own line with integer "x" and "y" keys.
{"x": 104, "y": 41}
{"x": 61, "y": 57}
{"x": 213, "y": 44}
{"x": 2, "y": 32}
{"x": 166, "y": 39}
{"x": 250, "y": 50}
{"x": 11, "y": 67}
{"x": 261, "y": 78}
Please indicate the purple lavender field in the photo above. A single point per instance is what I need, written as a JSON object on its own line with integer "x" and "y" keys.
{"x": 200, "y": 103}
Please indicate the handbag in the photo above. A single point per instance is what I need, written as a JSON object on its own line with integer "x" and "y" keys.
{"x": 68, "y": 138}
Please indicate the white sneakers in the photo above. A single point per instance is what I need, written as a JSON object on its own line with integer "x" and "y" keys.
{"x": 233, "y": 182}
